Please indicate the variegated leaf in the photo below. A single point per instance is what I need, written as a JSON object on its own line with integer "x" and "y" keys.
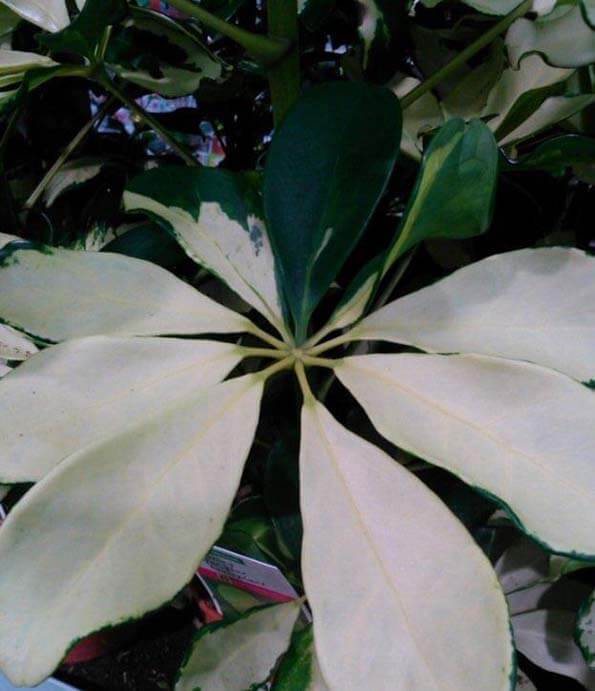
{"x": 402, "y": 598}
{"x": 57, "y": 294}
{"x": 520, "y": 432}
{"x": 81, "y": 391}
{"x": 120, "y": 527}
{"x": 237, "y": 656}
{"x": 534, "y": 304}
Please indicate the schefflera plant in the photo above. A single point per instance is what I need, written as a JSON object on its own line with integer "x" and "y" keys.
{"x": 137, "y": 444}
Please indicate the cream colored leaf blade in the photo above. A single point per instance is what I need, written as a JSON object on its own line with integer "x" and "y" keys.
{"x": 535, "y": 304}
{"x": 18, "y": 61}
{"x": 243, "y": 653}
{"x": 14, "y": 346}
{"x": 50, "y": 15}
{"x": 238, "y": 253}
{"x": 119, "y": 528}
{"x": 402, "y": 598}
{"x": 81, "y": 391}
{"x": 57, "y": 294}
{"x": 520, "y": 432}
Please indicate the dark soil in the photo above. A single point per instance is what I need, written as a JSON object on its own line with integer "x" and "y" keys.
{"x": 148, "y": 663}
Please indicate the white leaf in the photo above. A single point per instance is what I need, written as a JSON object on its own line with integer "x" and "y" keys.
{"x": 534, "y": 304}
{"x": 50, "y": 15}
{"x": 523, "y": 433}
{"x": 564, "y": 39}
{"x": 59, "y": 294}
{"x": 545, "y": 637}
{"x": 373, "y": 26}
{"x": 119, "y": 528}
{"x": 81, "y": 391}
{"x": 236, "y": 250}
{"x": 6, "y": 239}
{"x": 585, "y": 630}
{"x": 15, "y": 346}
{"x": 236, "y": 656}
{"x": 533, "y": 74}
{"x": 4, "y": 368}
{"x": 18, "y": 61}
{"x": 71, "y": 175}
{"x": 402, "y": 598}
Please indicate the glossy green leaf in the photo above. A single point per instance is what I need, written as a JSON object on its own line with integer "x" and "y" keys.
{"x": 84, "y": 34}
{"x": 563, "y": 38}
{"x": 217, "y": 218}
{"x": 51, "y": 15}
{"x": 325, "y": 173}
{"x": 585, "y": 631}
{"x": 57, "y": 294}
{"x": 533, "y": 305}
{"x": 401, "y": 596}
{"x": 157, "y": 53}
{"x": 117, "y": 529}
{"x": 556, "y": 154}
{"x": 295, "y": 670}
{"x": 522, "y": 433}
{"x": 453, "y": 198}
{"x": 78, "y": 392}
{"x": 454, "y": 193}
{"x": 241, "y": 654}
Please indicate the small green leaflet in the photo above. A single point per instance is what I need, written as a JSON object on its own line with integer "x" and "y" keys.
{"x": 585, "y": 631}
{"x": 325, "y": 173}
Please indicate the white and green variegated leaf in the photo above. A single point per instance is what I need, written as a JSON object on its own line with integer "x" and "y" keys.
{"x": 57, "y": 294}
{"x": 15, "y": 346}
{"x": 533, "y": 304}
{"x": 518, "y": 431}
{"x": 545, "y": 636}
{"x": 588, "y": 8}
{"x": 4, "y": 368}
{"x": 17, "y": 62}
{"x": 377, "y": 540}
{"x": 498, "y": 7}
{"x": 120, "y": 526}
{"x": 585, "y": 631}
{"x": 299, "y": 669}
{"x": 8, "y": 21}
{"x": 241, "y": 654}
{"x": 71, "y": 175}
{"x": 553, "y": 110}
{"x": 421, "y": 117}
{"x": 217, "y": 217}
{"x": 137, "y": 35}
{"x": 6, "y": 239}
{"x": 81, "y": 391}
{"x": 50, "y": 15}
{"x": 563, "y": 38}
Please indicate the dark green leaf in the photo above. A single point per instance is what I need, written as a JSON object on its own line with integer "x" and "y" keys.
{"x": 556, "y": 155}
{"x": 295, "y": 670}
{"x": 327, "y": 168}
{"x": 150, "y": 242}
{"x": 455, "y": 189}
{"x": 314, "y": 12}
{"x": 84, "y": 34}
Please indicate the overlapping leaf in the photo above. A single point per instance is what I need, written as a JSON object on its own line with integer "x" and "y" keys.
{"x": 51, "y": 15}
{"x": 236, "y": 656}
{"x": 217, "y": 218}
{"x": 81, "y": 391}
{"x": 325, "y": 173}
{"x": 57, "y": 294}
{"x": 398, "y": 553}
{"x": 518, "y": 431}
{"x": 535, "y": 304}
{"x": 120, "y": 526}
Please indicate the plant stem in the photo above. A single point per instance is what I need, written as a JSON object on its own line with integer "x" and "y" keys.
{"x": 262, "y": 352}
{"x": 471, "y": 50}
{"x": 264, "y": 49}
{"x": 284, "y": 364}
{"x": 333, "y": 343}
{"x": 304, "y": 384}
{"x": 130, "y": 103}
{"x": 319, "y": 361}
{"x": 251, "y": 328}
{"x": 284, "y": 76}
{"x": 68, "y": 151}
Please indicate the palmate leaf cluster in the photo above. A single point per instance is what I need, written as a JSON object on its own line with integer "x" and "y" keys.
{"x": 133, "y": 412}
